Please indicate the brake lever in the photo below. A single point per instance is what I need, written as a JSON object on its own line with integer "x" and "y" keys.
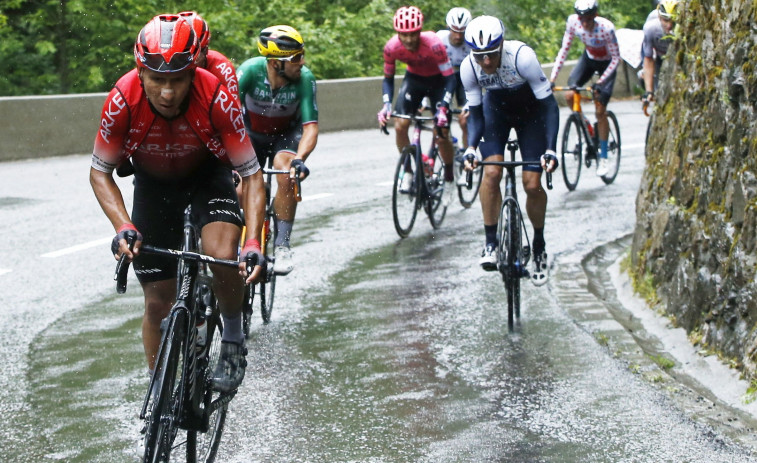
{"x": 122, "y": 268}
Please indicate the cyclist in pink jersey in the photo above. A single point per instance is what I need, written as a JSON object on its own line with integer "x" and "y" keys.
{"x": 429, "y": 74}
{"x": 184, "y": 132}
{"x": 601, "y": 56}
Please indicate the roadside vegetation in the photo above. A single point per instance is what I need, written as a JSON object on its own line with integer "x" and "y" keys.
{"x": 80, "y": 46}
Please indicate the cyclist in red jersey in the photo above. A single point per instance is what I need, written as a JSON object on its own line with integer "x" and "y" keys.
{"x": 429, "y": 74}
{"x": 184, "y": 132}
{"x": 211, "y": 60}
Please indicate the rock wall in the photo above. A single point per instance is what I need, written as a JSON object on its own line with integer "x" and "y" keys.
{"x": 696, "y": 234}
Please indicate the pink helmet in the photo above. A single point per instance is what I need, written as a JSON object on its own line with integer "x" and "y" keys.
{"x": 408, "y": 19}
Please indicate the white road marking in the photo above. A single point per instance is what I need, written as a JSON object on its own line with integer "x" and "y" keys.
{"x": 385, "y": 183}
{"x": 3, "y": 271}
{"x": 103, "y": 241}
{"x": 317, "y": 196}
{"x": 78, "y": 247}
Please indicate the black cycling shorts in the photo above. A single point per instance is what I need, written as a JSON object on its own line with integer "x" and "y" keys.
{"x": 266, "y": 146}
{"x": 158, "y": 213}
{"x": 585, "y": 69}
{"x": 414, "y": 88}
{"x": 514, "y": 109}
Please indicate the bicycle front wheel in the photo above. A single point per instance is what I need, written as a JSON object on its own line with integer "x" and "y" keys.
{"x": 572, "y": 151}
{"x": 467, "y": 197}
{"x": 162, "y": 419}
{"x": 203, "y": 446}
{"x": 510, "y": 248}
{"x": 268, "y": 285}
{"x": 613, "y": 149}
{"x": 435, "y": 184}
{"x": 405, "y": 198}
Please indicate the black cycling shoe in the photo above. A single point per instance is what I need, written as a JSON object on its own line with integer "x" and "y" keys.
{"x": 229, "y": 372}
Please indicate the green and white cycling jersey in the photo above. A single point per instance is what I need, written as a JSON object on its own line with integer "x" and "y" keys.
{"x": 271, "y": 113}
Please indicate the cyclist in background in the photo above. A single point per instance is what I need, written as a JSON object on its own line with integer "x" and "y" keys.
{"x": 601, "y": 56}
{"x": 211, "y": 60}
{"x": 281, "y": 116}
{"x": 657, "y": 38}
{"x": 184, "y": 132}
{"x": 518, "y": 96}
{"x": 453, "y": 39}
{"x": 429, "y": 73}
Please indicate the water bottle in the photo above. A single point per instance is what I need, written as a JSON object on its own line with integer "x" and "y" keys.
{"x": 428, "y": 165}
{"x": 202, "y": 333}
{"x": 589, "y": 126}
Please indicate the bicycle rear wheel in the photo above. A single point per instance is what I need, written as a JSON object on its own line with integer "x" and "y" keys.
{"x": 203, "y": 446}
{"x": 572, "y": 151}
{"x": 405, "y": 202}
{"x": 510, "y": 248}
{"x": 268, "y": 285}
{"x": 435, "y": 184}
{"x": 613, "y": 149}
{"x": 466, "y": 196}
{"x": 162, "y": 419}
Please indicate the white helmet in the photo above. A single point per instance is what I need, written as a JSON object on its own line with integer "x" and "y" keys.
{"x": 458, "y": 18}
{"x": 484, "y": 32}
{"x": 586, "y": 7}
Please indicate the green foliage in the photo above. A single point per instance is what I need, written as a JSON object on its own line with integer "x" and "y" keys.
{"x": 77, "y": 46}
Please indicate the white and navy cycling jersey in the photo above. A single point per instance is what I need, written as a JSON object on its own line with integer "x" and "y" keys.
{"x": 518, "y": 96}
{"x": 519, "y": 67}
{"x": 655, "y": 43}
{"x": 456, "y": 54}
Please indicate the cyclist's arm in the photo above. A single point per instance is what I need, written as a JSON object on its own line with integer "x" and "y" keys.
{"x": 649, "y": 69}
{"x": 109, "y": 196}
{"x": 614, "y": 49}
{"x": 528, "y": 66}
{"x": 474, "y": 102}
{"x": 308, "y": 140}
{"x": 562, "y": 55}
{"x": 387, "y": 86}
{"x": 308, "y": 115}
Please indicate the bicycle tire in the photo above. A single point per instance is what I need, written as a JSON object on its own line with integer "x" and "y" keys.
{"x": 613, "y": 149}
{"x": 510, "y": 248}
{"x": 435, "y": 184}
{"x": 573, "y": 143}
{"x": 203, "y": 447}
{"x": 467, "y": 197}
{"x": 268, "y": 285}
{"x": 405, "y": 204}
{"x": 162, "y": 419}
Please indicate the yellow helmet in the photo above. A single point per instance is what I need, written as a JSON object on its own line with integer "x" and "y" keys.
{"x": 280, "y": 42}
{"x": 667, "y": 9}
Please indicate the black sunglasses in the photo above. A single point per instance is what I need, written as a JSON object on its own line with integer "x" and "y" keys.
{"x": 492, "y": 55}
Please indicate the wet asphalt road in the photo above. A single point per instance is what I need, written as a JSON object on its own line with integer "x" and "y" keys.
{"x": 380, "y": 349}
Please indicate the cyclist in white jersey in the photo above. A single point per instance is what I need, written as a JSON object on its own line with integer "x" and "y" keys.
{"x": 601, "y": 56}
{"x": 507, "y": 89}
{"x": 454, "y": 41}
{"x": 657, "y": 37}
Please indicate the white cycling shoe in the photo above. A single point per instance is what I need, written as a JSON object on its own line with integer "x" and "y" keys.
{"x": 602, "y": 167}
{"x": 283, "y": 262}
{"x": 540, "y": 269}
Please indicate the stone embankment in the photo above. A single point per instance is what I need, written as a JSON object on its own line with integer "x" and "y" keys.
{"x": 694, "y": 250}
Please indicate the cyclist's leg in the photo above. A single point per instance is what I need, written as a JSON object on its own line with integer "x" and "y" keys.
{"x": 219, "y": 218}
{"x": 409, "y": 98}
{"x": 435, "y": 90}
{"x": 532, "y": 141}
{"x": 160, "y": 223}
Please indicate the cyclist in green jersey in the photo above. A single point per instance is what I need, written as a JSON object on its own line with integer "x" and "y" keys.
{"x": 277, "y": 91}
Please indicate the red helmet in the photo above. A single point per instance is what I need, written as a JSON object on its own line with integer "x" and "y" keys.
{"x": 166, "y": 44}
{"x": 200, "y": 27}
{"x": 408, "y": 19}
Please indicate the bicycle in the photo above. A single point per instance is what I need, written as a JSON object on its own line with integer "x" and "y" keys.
{"x": 180, "y": 395}
{"x": 580, "y": 142}
{"x": 267, "y": 287}
{"x": 427, "y": 186}
{"x": 512, "y": 256}
{"x": 466, "y": 196}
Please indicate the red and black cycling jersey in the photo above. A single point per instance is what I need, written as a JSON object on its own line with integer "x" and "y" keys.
{"x": 172, "y": 150}
{"x": 220, "y": 66}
